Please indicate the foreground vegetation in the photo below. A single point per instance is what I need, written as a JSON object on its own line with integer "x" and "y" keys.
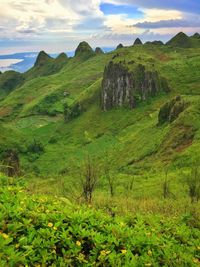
{"x": 39, "y": 230}
{"x": 136, "y": 170}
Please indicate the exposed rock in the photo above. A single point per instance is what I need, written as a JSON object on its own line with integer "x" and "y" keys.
{"x": 121, "y": 87}
{"x": 180, "y": 40}
{"x": 138, "y": 42}
{"x": 98, "y": 50}
{"x": 171, "y": 110}
{"x": 84, "y": 49}
{"x": 119, "y": 46}
{"x": 42, "y": 59}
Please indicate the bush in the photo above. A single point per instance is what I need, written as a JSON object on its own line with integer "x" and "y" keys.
{"x": 36, "y": 147}
{"x": 46, "y": 231}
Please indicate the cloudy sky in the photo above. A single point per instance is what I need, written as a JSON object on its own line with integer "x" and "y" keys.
{"x": 59, "y": 25}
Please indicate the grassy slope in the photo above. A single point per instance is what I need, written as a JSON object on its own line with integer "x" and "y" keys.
{"x": 137, "y": 144}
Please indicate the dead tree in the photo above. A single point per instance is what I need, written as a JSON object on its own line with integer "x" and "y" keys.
{"x": 89, "y": 178}
{"x": 11, "y": 163}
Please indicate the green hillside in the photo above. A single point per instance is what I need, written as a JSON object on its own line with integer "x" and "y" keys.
{"x": 142, "y": 150}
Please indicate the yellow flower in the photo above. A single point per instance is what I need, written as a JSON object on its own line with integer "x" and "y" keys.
{"x": 78, "y": 243}
{"x": 55, "y": 228}
{"x": 198, "y": 248}
{"x": 17, "y": 245}
{"x": 148, "y": 264}
{"x": 103, "y": 253}
{"x": 50, "y": 224}
{"x": 123, "y": 251}
{"x": 195, "y": 260}
{"x": 5, "y": 236}
{"x": 149, "y": 253}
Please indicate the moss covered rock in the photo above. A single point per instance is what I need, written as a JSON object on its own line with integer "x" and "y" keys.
{"x": 122, "y": 87}
{"x": 171, "y": 110}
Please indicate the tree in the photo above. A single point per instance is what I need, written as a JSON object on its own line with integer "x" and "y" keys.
{"x": 90, "y": 174}
{"x": 109, "y": 173}
{"x": 166, "y": 187}
{"x": 11, "y": 163}
{"x": 193, "y": 183}
{"x": 66, "y": 112}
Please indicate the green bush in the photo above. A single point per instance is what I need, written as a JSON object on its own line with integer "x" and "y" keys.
{"x": 45, "y": 231}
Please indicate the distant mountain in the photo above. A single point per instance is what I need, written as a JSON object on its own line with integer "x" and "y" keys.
{"x": 22, "y": 62}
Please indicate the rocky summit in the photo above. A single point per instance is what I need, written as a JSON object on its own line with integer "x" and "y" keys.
{"x": 180, "y": 40}
{"x": 84, "y": 49}
{"x": 122, "y": 87}
{"x": 137, "y": 41}
{"x": 98, "y": 50}
{"x": 42, "y": 59}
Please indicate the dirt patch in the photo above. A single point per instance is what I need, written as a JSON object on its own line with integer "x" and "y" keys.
{"x": 5, "y": 111}
{"x": 163, "y": 57}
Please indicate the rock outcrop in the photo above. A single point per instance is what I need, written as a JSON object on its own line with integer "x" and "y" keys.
{"x": 98, "y": 50}
{"x": 138, "y": 42}
{"x": 42, "y": 59}
{"x": 122, "y": 87}
{"x": 171, "y": 110}
{"x": 84, "y": 49}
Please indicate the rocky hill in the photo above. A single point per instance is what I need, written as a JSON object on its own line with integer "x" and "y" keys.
{"x": 98, "y": 101}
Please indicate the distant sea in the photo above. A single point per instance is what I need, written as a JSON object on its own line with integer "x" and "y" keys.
{"x": 21, "y": 62}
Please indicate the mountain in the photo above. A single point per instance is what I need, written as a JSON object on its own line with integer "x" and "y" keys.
{"x": 102, "y": 154}
{"x": 45, "y": 88}
{"x": 137, "y": 41}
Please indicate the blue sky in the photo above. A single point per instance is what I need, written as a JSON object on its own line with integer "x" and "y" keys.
{"x": 59, "y": 25}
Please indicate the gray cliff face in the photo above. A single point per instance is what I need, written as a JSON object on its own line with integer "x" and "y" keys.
{"x": 121, "y": 87}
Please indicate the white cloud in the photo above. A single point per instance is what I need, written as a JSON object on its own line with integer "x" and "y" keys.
{"x": 61, "y": 24}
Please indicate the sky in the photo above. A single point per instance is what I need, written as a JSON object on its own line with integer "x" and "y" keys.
{"x": 59, "y": 25}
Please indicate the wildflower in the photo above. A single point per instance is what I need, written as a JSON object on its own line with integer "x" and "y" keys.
{"x": 5, "y": 236}
{"x": 55, "y": 228}
{"x": 195, "y": 260}
{"x": 17, "y": 245}
{"x": 149, "y": 253}
{"x": 105, "y": 252}
{"x": 50, "y": 224}
{"x": 198, "y": 248}
{"x": 78, "y": 243}
{"x": 148, "y": 264}
{"x": 123, "y": 251}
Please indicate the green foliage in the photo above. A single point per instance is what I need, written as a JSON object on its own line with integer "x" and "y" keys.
{"x": 36, "y": 147}
{"x": 41, "y": 230}
{"x": 72, "y": 111}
